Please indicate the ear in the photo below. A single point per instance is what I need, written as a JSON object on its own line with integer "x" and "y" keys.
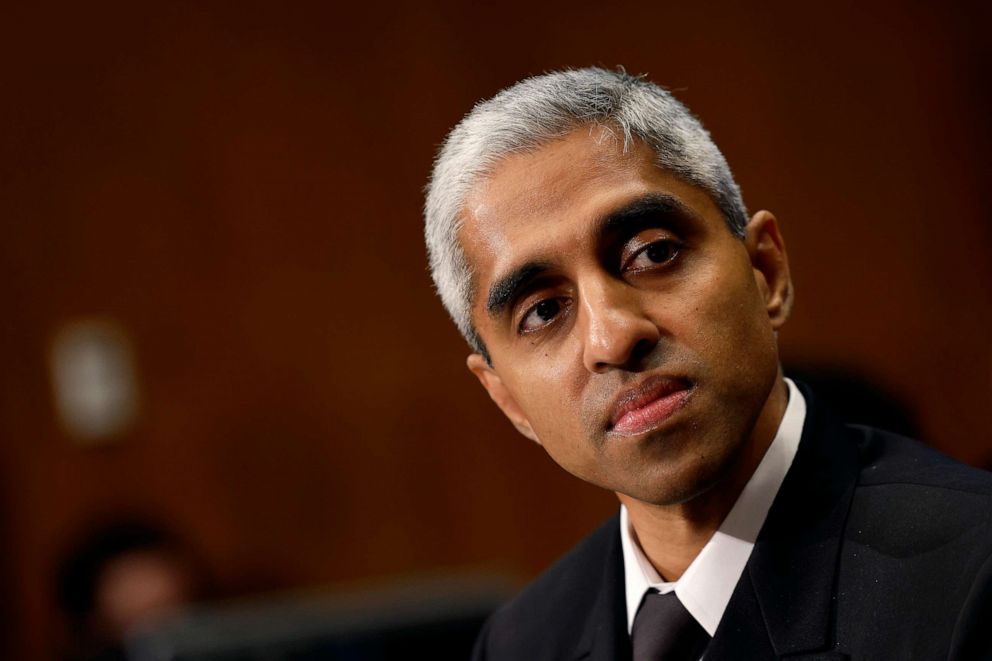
{"x": 499, "y": 393}
{"x": 766, "y": 248}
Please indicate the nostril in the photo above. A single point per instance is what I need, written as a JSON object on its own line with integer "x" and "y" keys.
{"x": 641, "y": 350}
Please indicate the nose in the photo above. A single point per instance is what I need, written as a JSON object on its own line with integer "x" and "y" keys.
{"x": 616, "y": 331}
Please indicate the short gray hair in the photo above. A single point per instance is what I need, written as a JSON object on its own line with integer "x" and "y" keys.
{"x": 536, "y": 111}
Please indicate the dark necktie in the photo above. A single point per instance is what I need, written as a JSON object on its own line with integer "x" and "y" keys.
{"x": 665, "y": 631}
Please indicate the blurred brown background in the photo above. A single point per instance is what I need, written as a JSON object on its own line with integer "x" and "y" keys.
{"x": 238, "y": 187}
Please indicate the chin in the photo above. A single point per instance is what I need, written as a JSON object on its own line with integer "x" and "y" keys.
{"x": 692, "y": 477}
{"x": 675, "y": 492}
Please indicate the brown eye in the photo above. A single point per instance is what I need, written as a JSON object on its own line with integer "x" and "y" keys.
{"x": 659, "y": 252}
{"x": 541, "y": 314}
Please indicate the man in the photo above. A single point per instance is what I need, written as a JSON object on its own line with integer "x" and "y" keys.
{"x": 588, "y": 239}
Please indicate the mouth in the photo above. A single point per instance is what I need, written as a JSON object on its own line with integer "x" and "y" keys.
{"x": 648, "y": 405}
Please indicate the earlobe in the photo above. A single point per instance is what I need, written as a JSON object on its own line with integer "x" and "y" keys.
{"x": 766, "y": 248}
{"x": 499, "y": 393}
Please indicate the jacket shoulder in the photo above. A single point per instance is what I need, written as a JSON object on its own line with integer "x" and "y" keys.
{"x": 911, "y": 499}
{"x": 919, "y": 523}
{"x": 888, "y": 458}
{"x": 550, "y": 613}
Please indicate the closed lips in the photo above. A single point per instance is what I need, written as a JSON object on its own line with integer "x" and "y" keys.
{"x": 647, "y": 405}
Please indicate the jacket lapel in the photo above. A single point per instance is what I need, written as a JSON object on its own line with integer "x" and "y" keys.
{"x": 790, "y": 577}
{"x": 605, "y": 636}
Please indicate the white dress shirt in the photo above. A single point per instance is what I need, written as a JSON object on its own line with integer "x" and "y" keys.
{"x": 707, "y": 584}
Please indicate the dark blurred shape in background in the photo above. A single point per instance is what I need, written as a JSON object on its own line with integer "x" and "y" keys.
{"x": 854, "y": 399}
{"x": 426, "y": 617}
{"x": 216, "y": 302}
{"x": 121, "y": 575}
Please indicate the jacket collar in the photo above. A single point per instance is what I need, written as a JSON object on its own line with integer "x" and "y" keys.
{"x": 604, "y": 636}
{"x": 792, "y": 569}
{"x": 790, "y": 577}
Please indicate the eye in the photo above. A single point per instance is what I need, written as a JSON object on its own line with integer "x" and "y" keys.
{"x": 653, "y": 254}
{"x": 541, "y": 315}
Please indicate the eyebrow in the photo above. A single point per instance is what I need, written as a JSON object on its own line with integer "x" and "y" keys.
{"x": 653, "y": 207}
{"x": 507, "y": 288}
{"x": 656, "y": 207}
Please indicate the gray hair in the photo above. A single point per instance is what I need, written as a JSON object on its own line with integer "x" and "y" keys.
{"x": 536, "y": 111}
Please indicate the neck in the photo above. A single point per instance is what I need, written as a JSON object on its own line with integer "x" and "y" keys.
{"x": 671, "y": 536}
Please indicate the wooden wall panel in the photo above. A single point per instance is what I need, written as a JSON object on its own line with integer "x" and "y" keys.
{"x": 239, "y": 186}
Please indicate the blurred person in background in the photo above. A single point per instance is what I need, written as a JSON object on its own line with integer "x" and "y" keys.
{"x": 622, "y": 308}
{"x": 120, "y": 576}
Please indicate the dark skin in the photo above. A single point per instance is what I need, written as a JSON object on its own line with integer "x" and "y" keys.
{"x": 597, "y": 273}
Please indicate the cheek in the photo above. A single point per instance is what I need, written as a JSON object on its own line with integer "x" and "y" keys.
{"x": 549, "y": 405}
{"x": 542, "y": 381}
{"x": 553, "y": 403}
{"x": 730, "y": 325}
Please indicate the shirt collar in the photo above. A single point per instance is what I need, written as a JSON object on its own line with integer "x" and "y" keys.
{"x": 709, "y": 581}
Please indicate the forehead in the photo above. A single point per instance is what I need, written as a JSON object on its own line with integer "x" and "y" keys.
{"x": 546, "y": 202}
{"x": 539, "y": 184}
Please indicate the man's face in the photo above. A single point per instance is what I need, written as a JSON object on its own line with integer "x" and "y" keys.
{"x": 631, "y": 334}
